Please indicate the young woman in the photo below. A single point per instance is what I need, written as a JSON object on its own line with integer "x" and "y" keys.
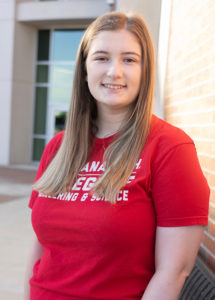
{"x": 120, "y": 201}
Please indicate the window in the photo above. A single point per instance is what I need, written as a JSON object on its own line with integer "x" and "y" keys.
{"x": 55, "y": 65}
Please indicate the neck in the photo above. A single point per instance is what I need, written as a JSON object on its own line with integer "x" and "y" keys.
{"x": 109, "y": 123}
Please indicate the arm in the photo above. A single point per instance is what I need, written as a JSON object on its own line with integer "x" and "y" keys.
{"x": 176, "y": 249}
{"x": 35, "y": 254}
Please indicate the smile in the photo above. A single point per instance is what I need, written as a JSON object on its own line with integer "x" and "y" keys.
{"x": 111, "y": 86}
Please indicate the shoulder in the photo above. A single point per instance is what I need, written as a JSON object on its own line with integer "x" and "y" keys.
{"x": 166, "y": 136}
{"x": 56, "y": 141}
{"x": 164, "y": 139}
{"x": 52, "y": 147}
{"x": 179, "y": 189}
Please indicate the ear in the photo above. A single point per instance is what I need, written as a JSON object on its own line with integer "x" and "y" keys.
{"x": 86, "y": 78}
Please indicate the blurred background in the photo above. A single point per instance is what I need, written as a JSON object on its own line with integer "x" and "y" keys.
{"x": 38, "y": 46}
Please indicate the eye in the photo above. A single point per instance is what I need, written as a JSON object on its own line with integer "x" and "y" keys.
{"x": 129, "y": 60}
{"x": 101, "y": 58}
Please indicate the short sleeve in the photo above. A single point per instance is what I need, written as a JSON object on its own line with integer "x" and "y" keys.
{"x": 179, "y": 189}
{"x": 48, "y": 154}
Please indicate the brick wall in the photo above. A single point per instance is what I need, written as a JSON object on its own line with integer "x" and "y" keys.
{"x": 190, "y": 91}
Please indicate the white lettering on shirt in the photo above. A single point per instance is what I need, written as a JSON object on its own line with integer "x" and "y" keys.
{"x": 71, "y": 196}
{"x": 132, "y": 177}
{"x": 78, "y": 184}
{"x": 94, "y": 166}
{"x": 84, "y": 197}
{"x": 122, "y": 196}
{"x": 89, "y": 183}
{"x": 101, "y": 168}
{"x": 61, "y": 196}
{"x": 85, "y": 168}
{"x": 86, "y": 181}
{"x": 138, "y": 163}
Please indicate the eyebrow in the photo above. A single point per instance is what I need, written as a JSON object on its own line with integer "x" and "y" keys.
{"x": 124, "y": 53}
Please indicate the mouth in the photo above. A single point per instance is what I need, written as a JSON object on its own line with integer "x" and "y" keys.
{"x": 113, "y": 86}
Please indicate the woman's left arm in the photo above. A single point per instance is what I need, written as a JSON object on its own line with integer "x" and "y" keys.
{"x": 176, "y": 249}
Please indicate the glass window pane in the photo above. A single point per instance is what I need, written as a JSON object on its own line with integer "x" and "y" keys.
{"x": 42, "y": 74}
{"x": 60, "y": 119}
{"x": 60, "y": 95}
{"x": 65, "y": 44}
{"x": 43, "y": 45}
{"x": 38, "y": 147}
{"x": 62, "y": 74}
{"x": 40, "y": 110}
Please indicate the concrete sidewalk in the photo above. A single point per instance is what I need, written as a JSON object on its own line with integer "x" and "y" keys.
{"x": 15, "y": 230}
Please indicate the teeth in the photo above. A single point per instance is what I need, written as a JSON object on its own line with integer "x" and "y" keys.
{"x": 110, "y": 86}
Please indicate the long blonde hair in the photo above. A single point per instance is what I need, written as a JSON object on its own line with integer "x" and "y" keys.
{"x": 122, "y": 154}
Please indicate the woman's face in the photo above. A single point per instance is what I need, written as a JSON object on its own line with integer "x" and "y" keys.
{"x": 114, "y": 69}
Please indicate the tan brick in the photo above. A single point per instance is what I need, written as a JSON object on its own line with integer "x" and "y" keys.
{"x": 212, "y": 196}
{"x": 191, "y": 76}
{"x": 203, "y": 254}
{"x": 212, "y": 213}
{"x": 211, "y": 263}
{"x": 199, "y": 73}
{"x": 192, "y": 103}
{"x": 189, "y": 71}
{"x": 201, "y": 117}
{"x": 211, "y": 228}
{"x": 201, "y": 132}
{"x": 211, "y": 180}
{"x": 205, "y": 147}
{"x": 209, "y": 243}
{"x": 208, "y": 163}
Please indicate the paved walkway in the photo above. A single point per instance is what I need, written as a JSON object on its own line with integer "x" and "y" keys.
{"x": 15, "y": 230}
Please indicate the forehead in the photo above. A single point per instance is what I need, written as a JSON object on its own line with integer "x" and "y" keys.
{"x": 115, "y": 40}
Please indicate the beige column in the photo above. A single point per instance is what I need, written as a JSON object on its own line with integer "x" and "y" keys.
{"x": 7, "y": 15}
{"x": 22, "y": 93}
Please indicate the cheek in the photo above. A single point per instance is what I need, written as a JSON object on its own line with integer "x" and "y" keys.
{"x": 93, "y": 78}
{"x": 89, "y": 73}
{"x": 139, "y": 79}
{"x": 89, "y": 80}
{"x": 91, "y": 84}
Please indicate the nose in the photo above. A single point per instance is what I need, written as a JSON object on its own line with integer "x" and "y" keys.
{"x": 114, "y": 69}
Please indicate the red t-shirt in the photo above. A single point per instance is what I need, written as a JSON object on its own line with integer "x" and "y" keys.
{"x": 95, "y": 250}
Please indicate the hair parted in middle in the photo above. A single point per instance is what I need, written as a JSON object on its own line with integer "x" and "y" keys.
{"x": 122, "y": 154}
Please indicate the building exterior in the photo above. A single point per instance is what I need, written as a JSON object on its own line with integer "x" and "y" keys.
{"x": 30, "y": 64}
{"x": 39, "y": 40}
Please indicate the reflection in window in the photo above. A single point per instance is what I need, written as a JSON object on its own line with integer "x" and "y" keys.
{"x": 62, "y": 74}
{"x": 42, "y": 74}
{"x": 40, "y": 110}
{"x": 65, "y": 44}
{"x": 60, "y": 119}
{"x": 39, "y": 145}
{"x": 55, "y": 65}
{"x": 43, "y": 45}
{"x": 60, "y": 95}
